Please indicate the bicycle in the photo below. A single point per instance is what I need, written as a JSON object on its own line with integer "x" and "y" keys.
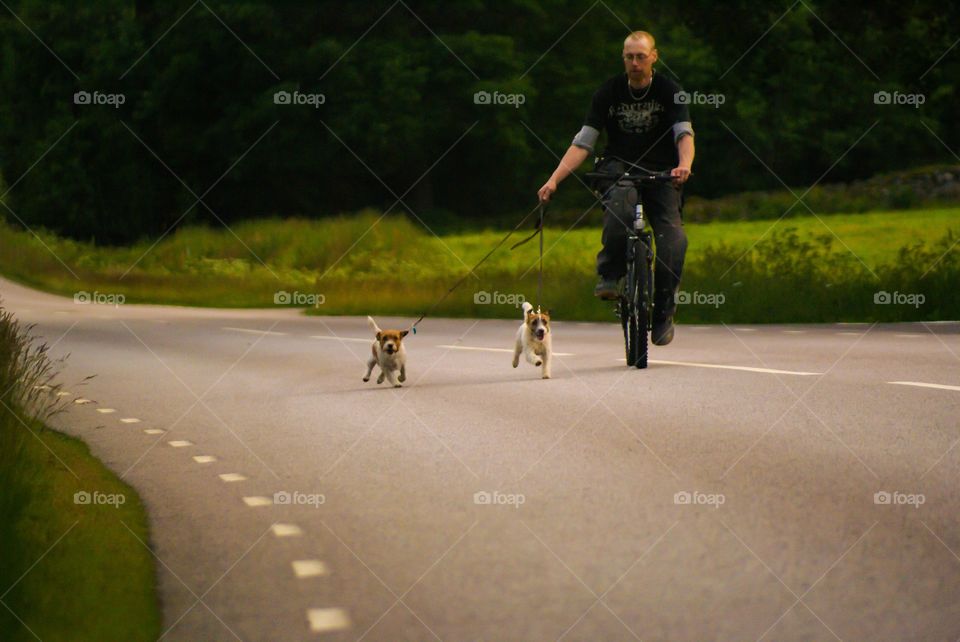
{"x": 635, "y": 299}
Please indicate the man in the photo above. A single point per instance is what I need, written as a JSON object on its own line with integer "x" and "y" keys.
{"x": 648, "y": 124}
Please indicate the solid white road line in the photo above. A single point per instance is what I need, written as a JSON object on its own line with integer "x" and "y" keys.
{"x": 280, "y": 334}
{"x": 723, "y": 367}
{"x": 920, "y": 384}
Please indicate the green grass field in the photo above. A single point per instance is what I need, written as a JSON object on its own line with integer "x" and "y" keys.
{"x": 364, "y": 264}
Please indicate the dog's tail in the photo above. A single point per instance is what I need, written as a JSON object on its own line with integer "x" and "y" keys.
{"x": 527, "y": 308}
{"x": 373, "y": 324}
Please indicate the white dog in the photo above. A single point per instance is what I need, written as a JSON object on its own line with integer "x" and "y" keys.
{"x": 388, "y": 353}
{"x": 533, "y": 340}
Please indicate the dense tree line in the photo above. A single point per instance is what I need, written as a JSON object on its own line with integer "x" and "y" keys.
{"x": 229, "y": 110}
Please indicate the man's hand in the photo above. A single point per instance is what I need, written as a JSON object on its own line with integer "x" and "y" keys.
{"x": 680, "y": 174}
{"x": 547, "y": 190}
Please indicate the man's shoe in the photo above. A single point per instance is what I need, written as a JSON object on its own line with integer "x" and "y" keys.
{"x": 662, "y": 332}
{"x": 607, "y": 289}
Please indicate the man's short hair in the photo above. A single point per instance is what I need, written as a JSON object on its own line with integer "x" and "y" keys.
{"x": 640, "y": 35}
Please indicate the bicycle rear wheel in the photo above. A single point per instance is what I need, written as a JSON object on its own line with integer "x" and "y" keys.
{"x": 642, "y": 269}
{"x": 634, "y": 329}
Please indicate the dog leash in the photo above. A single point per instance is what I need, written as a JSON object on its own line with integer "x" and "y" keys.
{"x": 413, "y": 328}
{"x": 539, "y": 230}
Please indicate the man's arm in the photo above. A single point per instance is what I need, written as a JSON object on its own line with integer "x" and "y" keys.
{"x": 571, "y": 160}
{"x": 686, "y": 151}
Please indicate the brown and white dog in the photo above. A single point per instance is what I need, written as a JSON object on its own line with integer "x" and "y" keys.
{"x": 533, "y": 340}
{"x": 388, "y": 353}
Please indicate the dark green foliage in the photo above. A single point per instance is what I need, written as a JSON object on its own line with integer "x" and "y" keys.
{"x": 199, "y": 93}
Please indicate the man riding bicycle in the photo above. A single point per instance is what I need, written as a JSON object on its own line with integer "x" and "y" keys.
{"x": 648, "y": 124}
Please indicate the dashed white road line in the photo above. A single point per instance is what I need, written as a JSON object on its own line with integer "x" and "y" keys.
{"x": 252, "y": 331}
{"x": 921, "y": 384}
{"x": 257, "y": 500}
{"x": 64, "y": 393}
{"x": 909, "y": 336}
{"x": 204, "y": 459}
{"x": 286, "y": 530}
{"x": 81, "y": 401}
{"x": 725, "y": 367}
{"x": 309, "y": 568}
{"x": 180, "y": 443}
{"x": 331, "y": 338}
{"x": 154, "y": 431}
{"x": 106, "y": 411}
{"x": 323, "y": 620}
{"x": 233, "y": 477}
{"x": 130, "y": 420}
{"x": 794, "y": 331}
{"x": 452, "y": 347}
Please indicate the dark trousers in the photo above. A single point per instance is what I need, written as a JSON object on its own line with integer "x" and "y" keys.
{"x": 661, "y": 208}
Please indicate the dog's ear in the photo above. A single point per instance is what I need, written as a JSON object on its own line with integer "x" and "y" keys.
{"x": 404, "y": 333}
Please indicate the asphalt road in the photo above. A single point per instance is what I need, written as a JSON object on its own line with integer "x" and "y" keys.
{"x": 681, "y": 502}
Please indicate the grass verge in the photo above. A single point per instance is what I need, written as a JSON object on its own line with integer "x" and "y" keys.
{"x": 805, "y": 269}
{"x": 70, "y": 569}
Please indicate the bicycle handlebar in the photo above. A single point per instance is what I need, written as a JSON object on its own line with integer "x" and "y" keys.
{"x": 637, "y": 177}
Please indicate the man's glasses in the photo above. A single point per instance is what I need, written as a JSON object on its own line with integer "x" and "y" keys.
{"x": 637, "y": 57}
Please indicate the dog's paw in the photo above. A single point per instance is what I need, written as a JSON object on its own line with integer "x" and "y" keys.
{"x": 402, "y": 378}
{"x": 398, "y": 385}
{"x": 365, "y": 379}
{"x": 546, "y": 376}
{"x": 538, "y": 363}
{"x": 516, "y": 363}
{"x": 380, "y": 379}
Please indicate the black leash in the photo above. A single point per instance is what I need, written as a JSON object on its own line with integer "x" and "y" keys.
{"x": 539, "y": 230}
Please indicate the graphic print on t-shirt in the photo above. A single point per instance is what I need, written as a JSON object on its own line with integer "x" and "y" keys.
{"x": 636, "y": 118}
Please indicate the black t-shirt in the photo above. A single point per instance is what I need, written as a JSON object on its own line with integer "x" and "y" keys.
{"x": 639, "y": 122}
